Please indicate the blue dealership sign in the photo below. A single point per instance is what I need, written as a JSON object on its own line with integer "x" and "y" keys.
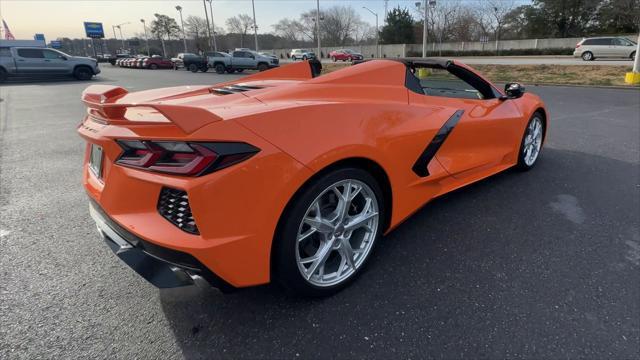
{"x": 56, "y": 44}
{"x": 39, "y": 37}
{"x": 94, "y": 30}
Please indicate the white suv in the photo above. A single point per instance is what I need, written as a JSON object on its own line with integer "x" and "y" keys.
{"x": 302, "y": 54}
{"x": 600, "y": 47}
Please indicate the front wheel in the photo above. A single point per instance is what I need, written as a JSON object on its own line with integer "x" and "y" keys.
{"x": 333, "y": 58}
{"x": 633, "y": 56}
{"x": 328, "y": 232}
{"x": 193, "y": 68}
{"x": 83, "y": 73}
{"x": 263, "y": 67}
{"x": 531, "y": 143}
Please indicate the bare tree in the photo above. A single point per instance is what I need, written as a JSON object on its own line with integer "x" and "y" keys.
{"x": 496, "y": 12}
{"x": 339, "y": 24}
{"x": 288, "y": 29}
{"x": 240, "y": 25}
{"x": 195, "y": 26}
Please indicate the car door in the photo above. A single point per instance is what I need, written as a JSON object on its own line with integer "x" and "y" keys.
{"x": 55, "y": 62}
{"x": 30, "y": 61}
{"x": 621, "y": 47}
{"x": 487, "y": 133}
{"x": 241, "y": 59}
{"x": 603, "y": 47}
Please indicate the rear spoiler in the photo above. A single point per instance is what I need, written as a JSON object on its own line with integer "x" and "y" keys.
{"x": 102, "y": 102}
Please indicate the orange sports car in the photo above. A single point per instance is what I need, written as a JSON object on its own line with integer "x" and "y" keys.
{"x": 287, "y": 176}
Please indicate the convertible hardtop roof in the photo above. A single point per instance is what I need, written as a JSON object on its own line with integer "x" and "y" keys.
{"x": 419, "y": 62}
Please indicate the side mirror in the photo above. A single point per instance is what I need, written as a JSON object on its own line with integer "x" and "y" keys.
{"x": 63, "y": 57}
{"x": 513, "y": 90}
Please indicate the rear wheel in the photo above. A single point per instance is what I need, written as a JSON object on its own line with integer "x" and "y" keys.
{"x": 193, "y": 68}
{"x": 83, "y": 73}
{"x": 531, "y": 144}
{"x": 633, "y": 55}
{"x": 3, "y": 75}
{"x": 263, "y": 67}
{"x": 587, "y": 56}
{"x": 153, "y": 66}
{"x": 333, "y": 58}
{"x": 220, "y": 68}
{"x": 304, "y": 57}
{"x": 329, "y": 232}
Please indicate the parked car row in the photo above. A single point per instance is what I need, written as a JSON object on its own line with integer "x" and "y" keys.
{"x": 153, "y": 63}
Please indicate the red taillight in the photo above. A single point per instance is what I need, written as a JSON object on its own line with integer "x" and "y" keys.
{"x": 577, "y": 46}
{"x": 182, "y": 158}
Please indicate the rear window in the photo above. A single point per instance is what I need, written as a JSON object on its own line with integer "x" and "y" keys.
{"x": 597, "y": 42}
{"x": 5, "y": 52}
{"x": 31, "y": 53}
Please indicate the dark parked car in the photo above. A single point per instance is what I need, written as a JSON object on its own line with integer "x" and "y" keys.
{"x": 191, "y": 62}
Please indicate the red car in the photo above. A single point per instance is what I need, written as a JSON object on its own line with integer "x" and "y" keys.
{"x": 345, "y": 55}
{"x": 157, "y": 62}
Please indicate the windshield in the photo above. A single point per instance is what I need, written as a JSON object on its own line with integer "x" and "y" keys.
{"x": 348, "y": 51}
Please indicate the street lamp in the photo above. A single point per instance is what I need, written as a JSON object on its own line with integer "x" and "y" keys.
{"x": 213, "y": 25}
{"x": 146, "y": 37}
{"x": 184, "y": 35}
{"x": 206, "y": 14}
{"x": 119, "y": 26}
{"x": 425, "y": 24}
{"x": 377, "y": 40}
{"x": 255, "y": 25}
{"x": 318, "y": 27}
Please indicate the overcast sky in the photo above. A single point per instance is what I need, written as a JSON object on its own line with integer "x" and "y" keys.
{"x": 64, "y": 18}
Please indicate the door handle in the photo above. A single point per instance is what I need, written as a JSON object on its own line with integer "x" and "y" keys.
{"x": 20, "y": 59}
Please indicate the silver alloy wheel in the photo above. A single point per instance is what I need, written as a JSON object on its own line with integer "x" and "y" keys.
{"x": 532, "y": 141}
{"x": 337, "y": 232}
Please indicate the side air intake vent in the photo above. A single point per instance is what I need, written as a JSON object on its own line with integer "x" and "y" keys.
{"x": 173, "y": 205}
{"x": 232, "y": 89}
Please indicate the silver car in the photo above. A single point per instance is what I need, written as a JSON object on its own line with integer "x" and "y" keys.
{"x": 600, "y": 47}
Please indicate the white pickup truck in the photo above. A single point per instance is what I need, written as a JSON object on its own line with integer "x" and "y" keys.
{"x": 41, "y": 62}
{"x": 240, "y": 60}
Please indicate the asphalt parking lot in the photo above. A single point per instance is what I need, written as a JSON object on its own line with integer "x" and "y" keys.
{"x": 544, "y": 264}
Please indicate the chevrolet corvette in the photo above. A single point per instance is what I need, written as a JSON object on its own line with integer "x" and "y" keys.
{"x": 284, "y": 176}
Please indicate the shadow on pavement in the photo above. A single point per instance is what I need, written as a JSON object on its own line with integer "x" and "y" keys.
{"x": 54, "y": 81}
{"x": 548, "y": 278}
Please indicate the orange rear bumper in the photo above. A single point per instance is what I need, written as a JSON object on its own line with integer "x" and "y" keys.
{"x": 236, "y": 209}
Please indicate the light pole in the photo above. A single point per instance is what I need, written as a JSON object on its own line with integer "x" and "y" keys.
{"x": 377, "y": 40}
{"x": 184, "y": 34}
{"x": 633, "y": 77}
{"x": 255, "y": 25}
{"x": 119, "y": 26}
{"x": 146, "y": 37}
{"x": 206, "y": 14}
{"x": 319, "y": 54}
{"x": 425, "y": 28}
{"x": 213, "y": 25}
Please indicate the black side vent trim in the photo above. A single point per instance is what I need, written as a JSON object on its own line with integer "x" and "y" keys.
{"x": 232, "y": 89}
{"x": 422, "y": 163}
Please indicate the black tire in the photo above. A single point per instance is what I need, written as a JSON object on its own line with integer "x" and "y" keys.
{"x": 239, "y": 70}
{"x": 633, "y": 56}
{"x": 220, "y": 68}
{"x": 304, "y": 57}
{"x": 522, "y": 165}
{"x": 333, "y": 58}
{"x": 204, "y": 68}
{"x": 3, "y": 75}
{"x": 588, "y": 56}
{"x": 83, "y": 73}
{"x": 193, "y": 68}
{"x": 285, "y": 264}
{"x": 153, "y": 66}
{"x": 263, "y": 67}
